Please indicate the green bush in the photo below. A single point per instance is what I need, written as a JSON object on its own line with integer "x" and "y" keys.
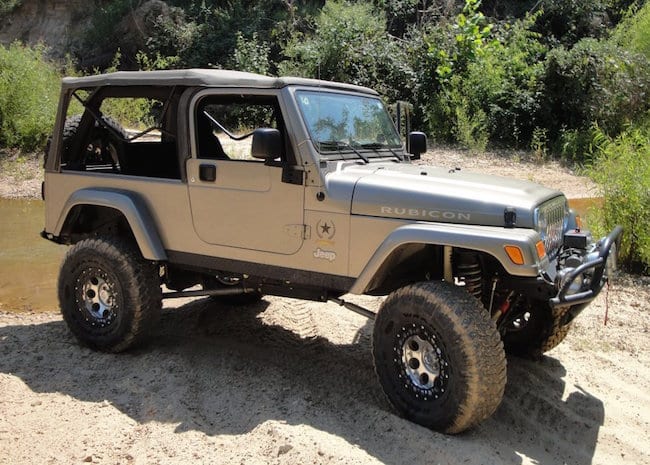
{"x": 451, "y": 110}
{"x": 350, "y": 44}
{"x": 29, "y": 92}
{"x": 207, "y": 32}
{"x": 633, "y": 33}
{"x": 7, "y": 6}
{"x": 251, "y": 55}
{"x": 595, "y": 82}
{"x": 504, "y": 83}
{"x": 488, "y": 81}
{"x": 569, "y": 21}
{"x": 622, "y": 169}
{"x": 102, "y": 31}
{"x": 174, "y": 37}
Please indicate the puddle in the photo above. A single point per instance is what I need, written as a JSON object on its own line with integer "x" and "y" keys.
{"x": 583, "y": 205}
{"x": 29, "y": 265}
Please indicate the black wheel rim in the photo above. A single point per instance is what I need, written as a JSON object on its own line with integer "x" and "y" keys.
{"x": 98, "y": 299}
{"x": 421, "y": 361}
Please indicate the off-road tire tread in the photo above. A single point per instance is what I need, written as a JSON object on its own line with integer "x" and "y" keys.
{"x": 465, "y": 327}
{"x": 557, "y": 332}
{"x": 71, "y": 127}
{"x": 553, "y": 332}
{"x": 140, "y": 286}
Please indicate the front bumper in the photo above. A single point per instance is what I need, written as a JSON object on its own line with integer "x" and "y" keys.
{"x": 591, "y": 275}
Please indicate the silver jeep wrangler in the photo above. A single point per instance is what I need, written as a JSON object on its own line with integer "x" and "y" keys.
{"x": 238, "y": 185}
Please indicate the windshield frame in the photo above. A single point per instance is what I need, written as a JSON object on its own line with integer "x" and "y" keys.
{"x": 343, "y": 149}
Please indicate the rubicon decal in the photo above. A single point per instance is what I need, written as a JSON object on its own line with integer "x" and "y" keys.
{"x": 424, "y": 213}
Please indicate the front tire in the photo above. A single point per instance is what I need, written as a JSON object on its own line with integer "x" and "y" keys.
{"x": 536, "y": 331}
{"x": 110, "y": 297}
{"x": 439, "y": 357}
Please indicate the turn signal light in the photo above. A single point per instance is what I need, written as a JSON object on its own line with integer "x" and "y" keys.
{"x": 541, "y": 250}
{"x": 515, "y": 254}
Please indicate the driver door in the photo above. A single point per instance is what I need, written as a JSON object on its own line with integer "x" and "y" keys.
{"x": 239, "y": 201}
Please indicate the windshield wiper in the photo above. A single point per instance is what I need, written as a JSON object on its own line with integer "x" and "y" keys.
{"x": 338, "y": 145}
{"x": 376, "y": 146}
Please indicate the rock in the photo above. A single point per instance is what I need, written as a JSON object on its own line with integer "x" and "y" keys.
{"x": 284, "y": 449}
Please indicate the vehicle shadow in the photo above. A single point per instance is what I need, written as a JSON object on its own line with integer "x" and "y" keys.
{"x": 221, "y": 370}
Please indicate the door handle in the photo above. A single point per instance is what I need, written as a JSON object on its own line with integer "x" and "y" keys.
{"x": 208, "y": 173}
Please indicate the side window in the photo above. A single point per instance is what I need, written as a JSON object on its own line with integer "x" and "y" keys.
{"x": 225, "y": 124}
{"x": 133, "y": 137}
{"x": 133, "y": 116}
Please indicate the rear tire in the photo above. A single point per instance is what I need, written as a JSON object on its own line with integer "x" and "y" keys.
{"x": 439, "y": 356}
{"x": 110, "y": 296}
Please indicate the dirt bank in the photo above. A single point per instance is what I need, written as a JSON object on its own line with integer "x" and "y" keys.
{"x": 290, "y": 382}
{"x": 20, "y": 175}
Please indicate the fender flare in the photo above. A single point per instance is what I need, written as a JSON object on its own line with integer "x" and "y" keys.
{"x": 134, "y": 209}
{"x": 487, "y": 239}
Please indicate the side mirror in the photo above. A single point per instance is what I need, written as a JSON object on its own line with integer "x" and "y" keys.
{"x": 267, "y": 144}
{"x": 416, "y": 144}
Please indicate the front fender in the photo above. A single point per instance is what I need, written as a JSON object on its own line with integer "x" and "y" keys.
{"x": 131, "y": 206}
{"x": 487, "y": 239}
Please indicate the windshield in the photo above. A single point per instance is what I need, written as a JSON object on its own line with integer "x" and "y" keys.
{"x": 339, "y": 122}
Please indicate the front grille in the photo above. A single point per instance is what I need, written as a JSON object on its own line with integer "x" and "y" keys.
{"x": 551, "y": 219}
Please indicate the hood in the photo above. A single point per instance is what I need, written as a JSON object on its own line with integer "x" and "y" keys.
{"x": 425, "y": 193}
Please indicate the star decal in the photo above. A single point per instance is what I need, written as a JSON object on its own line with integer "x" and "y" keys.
{"x": 326, "y": 229}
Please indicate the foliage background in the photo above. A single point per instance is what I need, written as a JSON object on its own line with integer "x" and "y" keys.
{"x": 564, "y": 78}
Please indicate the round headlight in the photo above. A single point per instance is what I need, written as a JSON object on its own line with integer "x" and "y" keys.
{"x": 541, "y": 222}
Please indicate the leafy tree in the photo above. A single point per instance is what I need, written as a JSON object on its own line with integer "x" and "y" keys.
{"x": 350, "y": 44}
{"x": 251, "y": 55}
{"x": 595, "y": 82}
{"x": 568, "y": 21}
{"x": 403, "y": 15}
{"x": 487, "y": 80}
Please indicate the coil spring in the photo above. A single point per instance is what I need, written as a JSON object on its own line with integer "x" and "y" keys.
{"x": 468, "y": 269}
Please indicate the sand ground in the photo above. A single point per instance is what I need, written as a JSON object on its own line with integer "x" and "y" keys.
{"x": 291, "y": 382}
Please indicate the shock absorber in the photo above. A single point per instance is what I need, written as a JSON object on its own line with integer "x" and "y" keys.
{"x": 468, "y": 269}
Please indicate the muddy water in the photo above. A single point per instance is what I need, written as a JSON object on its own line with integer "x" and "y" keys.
{"x": 584, "y": 205}
{"x": 28, "y": 264}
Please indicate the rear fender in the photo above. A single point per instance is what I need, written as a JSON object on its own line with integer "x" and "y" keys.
{"x": 486, "y": 239}
{"x": 131, "y": 206}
